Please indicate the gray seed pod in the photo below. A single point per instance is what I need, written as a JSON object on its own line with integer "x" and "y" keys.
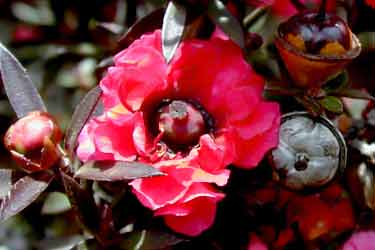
{"x": 310, "y": 151}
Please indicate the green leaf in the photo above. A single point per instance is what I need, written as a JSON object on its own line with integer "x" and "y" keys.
{"x": 81, "y": 74}
{"x": 228, "y": 23}
{"x": 81, "y": 115}
{"x": 56, "y": 203}
{"x": 354, "y": 93}
{"x": 115, "y": 171}
{"x": 23, "y": 193}
{"x": 60, "y": 243}
{"x": 149, "y": 240}
{"x": 338, "y": 83}
{"x": 332, "y": 104}
{"x": 21, "y": 91}
{"x": 5, "y": 181}
{"x": 367, "y": 40}
{"x": 173, "y": 29}
{"x": 41, "y": 14}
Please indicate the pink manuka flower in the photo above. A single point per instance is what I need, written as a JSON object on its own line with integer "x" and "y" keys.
{"x": 364, "y": 240}
{"x": 370, "y": 3}
{"x": 256, "y": 243}
{"x": 190, "y": 119}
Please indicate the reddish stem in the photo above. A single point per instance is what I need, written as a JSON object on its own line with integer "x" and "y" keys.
{"x": 322, "y": 11}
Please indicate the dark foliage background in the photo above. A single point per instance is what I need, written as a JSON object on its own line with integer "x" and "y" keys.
{"x": 66, "y": 47}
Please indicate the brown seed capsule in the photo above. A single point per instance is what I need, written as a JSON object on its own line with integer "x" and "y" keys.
{"x": 314, "y": 49}
{"x": 310, "y": 151}
{"x": 32, "y": 141}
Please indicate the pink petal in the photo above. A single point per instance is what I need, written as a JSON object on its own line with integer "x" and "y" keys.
{"x": 216, "y": 154}
{"x": 86, "y": 147}
{"x": 208, "y": 81}
{"x": 137, "y": 87}
{"x": 182, "y": 207}
{"x": 151, "y": 40}
{"x": 127, "y": 80}
{"x": 115, "y": 140}
{"x": 241, "y": 102}
{"x": 263, "y": 118}
{"x": 157, "y": 192}
{"x": 197, "y": 212}
{"x": 256, "y": 243}
{"x": 251, "y": 152}
{"x": 220, "y": 177}
{"x": 364, "y": 240}
{"x": 143, "y": 141}
{"x": 198, "y": 220}
{"x": 110, "y": 85}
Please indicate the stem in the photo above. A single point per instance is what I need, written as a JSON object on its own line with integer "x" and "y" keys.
{"x": 322, "y": 11}
{"x": 254, "y": 15}
{"x": 271, "y": 90}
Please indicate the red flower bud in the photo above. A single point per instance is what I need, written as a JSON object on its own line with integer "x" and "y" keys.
{"x": 32, "y": 141}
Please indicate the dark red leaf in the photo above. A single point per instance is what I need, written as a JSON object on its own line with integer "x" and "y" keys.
{"x": 82, "y": 202}
{"x": 147, "y": 24}
{"x": 23, "y": 193}
{"x": 107, "y": 225}
{"x": 116, "y": 171}
{"x": 21, "y": 91}
{"x": 82, "y": 114}
{"x": 226, "y": 21}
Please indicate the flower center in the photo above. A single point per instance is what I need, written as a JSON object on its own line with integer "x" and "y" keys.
{"x": 302, "y": 161}
{"x": 181, "y": 124}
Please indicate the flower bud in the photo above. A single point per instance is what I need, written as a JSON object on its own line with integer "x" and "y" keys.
{"x": 32, "y": 141}
{"x": 26, "y": 34}
{"x": 314, "y": 49}
{"x": 310, "y": 151}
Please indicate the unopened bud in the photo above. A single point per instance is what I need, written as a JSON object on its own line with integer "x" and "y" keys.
{"x": 32, "y": 141}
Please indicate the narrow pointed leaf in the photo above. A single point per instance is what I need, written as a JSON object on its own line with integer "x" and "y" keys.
{"x": 228, "y": 23}
{"x": 23, "y": 193}
{"x": 150, "y": 240}
{"x": 148, "y": 23}
{"x": 56, "y": 203}
{"x": 367, "y": 40}
{"x": 81, "y": 115}
{"x": 5, "y": 181}
{"x": 355, "y": 93}
{"x": 173, "y": 29}
{"x": 82, "y": 202}
{"x": 21, "y": 91}
{"x": 116, "y": 171}
{"x": 60, "y": 243}
{"x": 332, "y": 104}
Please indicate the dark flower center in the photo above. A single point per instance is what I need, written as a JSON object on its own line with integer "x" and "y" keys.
{"x": 181, "y": 124}
{"x": 302, "y": 161}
